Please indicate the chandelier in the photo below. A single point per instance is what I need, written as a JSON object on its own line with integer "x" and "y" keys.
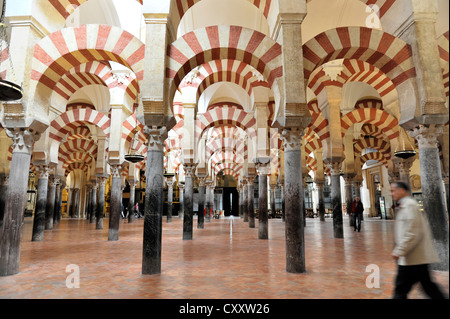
{"x": 133, "y": 156}
{"x": 9, "y": 91}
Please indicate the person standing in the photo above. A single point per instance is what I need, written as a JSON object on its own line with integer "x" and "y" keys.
{"x": 357, "y": 211}
{"x": 414, "y": 249}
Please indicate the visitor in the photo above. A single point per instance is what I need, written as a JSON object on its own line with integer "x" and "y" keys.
{"x": 357, "y": 211}
{"x": 414, "y": 249}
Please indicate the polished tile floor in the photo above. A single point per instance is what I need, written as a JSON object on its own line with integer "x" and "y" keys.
{"x": 224, "y": 261}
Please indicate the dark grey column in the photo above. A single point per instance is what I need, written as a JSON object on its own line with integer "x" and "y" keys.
{"x": 181, "y": 212}
{"x": 59, "y": 210}
{"x": 349, "y": 197}
{"x": 88, "y": 208}
{"x": 272, "y": 199}
{"x": 357, "y": 182}
{"x": 432, "y": 190}
{"x": 335, "y": 166}
{"x": 245, "y": 200}
{"x": 3, "y": 190}
{"x": 201, "y": 202}
{"x": 283, "y": 203}
{"x": 115, "y": 202}
{"x": 208, "y": 199}
{"x": 241, "y": 191}
{"x": 11, "y": 232}
{"x": 132, "y": 201}
{"x": 446, "y": 184}
{"x": 57, "y": 202}
{"x": 50, "y": 206}
{"x": 263, "y": 225}
{"x": 320, "y": 204}
{"x": 251, "y": 201}
{"x": 154, "y": 202}
{"x": 76, "y": 203}
{"x": 41, "y": 203}
{"x": 188, "y": 201}
{"x": 100, "y": 202}
{"x": 169, "y": 183}
{"x": 295, "y": 243}
{"x": 93, "y": 202}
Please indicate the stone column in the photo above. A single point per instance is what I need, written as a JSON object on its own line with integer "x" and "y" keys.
{"x": 349, "y": 196}
{"x": 100, "y": 202}
{"x": 11, "y": 232}
{"x": 41, "y": 203}
{"x": 295, "y": 243}
{"x": 50, "y": 207}
{"x": 132, "y": 201}
{"x": 335, "y": 166}
{"x": 189, "y": 170}
{"x": 114, "y": 210}
{"x": 209, "y": 199}
{"x": 57, "y": 202}
{"x": 76, "y": 203}
{"x": 201, "y": 202}
{"x": 181, "y": 212}
{"x": 446, "y": 181}
{"x": 241, "y": 209}
{"x": 272, "y": 199}
{"x": 169, "y": 183}
{"x": 404, "y": 168}
{"x": 263, "y": 225}
{"x": 93, "y": 202}
{"x": 3, "y": 190}
{"x": 251, "y": 201}
{"x": 320, "y": 204}
{"x": 357, "y": 182}
{"x": 154, "y": 202}
{"x": 432, "y": 190}
{"x": 245, "y": 200}
{"x": 283, "y": 204}
{"x": 59, "y": 206}
{"x": 88, "y": 201}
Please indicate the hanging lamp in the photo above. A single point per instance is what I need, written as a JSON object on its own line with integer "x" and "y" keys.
{"x": 404, "y": 151}
{"x": 132, "y": 156}
{"x": 9, "y": 91}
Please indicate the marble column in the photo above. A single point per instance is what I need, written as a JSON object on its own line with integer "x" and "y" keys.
{"x": 93, "y": 202}
{"x": 115, "y": 202}
{"x": 432, "y": 190}
{"x": 283, "y": 204}
{"x": 209, "y": 199}
{"x": 335, "y": 167}
{"x": 245, "y": 200}
{"x": 41, "y": 203}
{"x": 295, "y": 243}
{"x": 154, "y": 201}
{"x": 251, "y": 201}
{"x": 241, "y": 209}
{"x": 348, "y": 179}
{"x": 11, "y": 232}
{"x": 76, "y": 203}
{"x": 59, "y": 206}
{"x": 132, "y": 201}
{"x": 446, "y": 184}
{"x": 50, "y": 206}
{"x": 3, "y": 190}
{"x": 320, "y": 204}
{"x": 181, "y": 189}
{"x": 88, "y": 207}
{"x": 263, "y": 225}
{"x": 201, "y": 202}
{"x": 356, "y": 185}
{"x": 189, "y": 170}
{"x": 169, "y": 183}
{"x": 100, "y": 202}
{"x": 57, "y": 201}
{"x": 272, "y": 199}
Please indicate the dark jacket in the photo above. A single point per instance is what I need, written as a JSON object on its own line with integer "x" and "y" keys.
{"x": 357, "y": 207}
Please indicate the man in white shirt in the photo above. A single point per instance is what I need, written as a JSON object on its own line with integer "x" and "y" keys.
{"x": 414, "y": 249}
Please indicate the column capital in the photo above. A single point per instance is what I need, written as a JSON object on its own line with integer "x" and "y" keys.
{"x": 23, "y": 139}
{"x": 201, "y": 180}
{"x": 348, "y": 179}
{"x": 189, "y": 169}
{"x": 263, "y": 168}
{"x": 101, "y": 180}
{"x": 53, "y": 181}
{"x": 5, "y": 180}
{"x": 132, "y": 183}
{"x": 334, "y": 164}
{"x": 427, "y": 137}
{"x": 404, "y": 165}
{"x": 292, "y": 139}
{"x": 156, "y": 137}
{"x": 116, "y": 169}
{"x": 43, "y": 170}
{"x": 170, "y": 182}
{"x": 181, "y": 186}
{"x": 445, "y": 179}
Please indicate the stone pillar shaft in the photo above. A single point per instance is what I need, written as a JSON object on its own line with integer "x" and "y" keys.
{"x": 100, "y": 202}
{"x": 115, "y": 203}
{"x": 338, "y": 229}
{"x": 245, "y": 201}
{"x": 263, "y": 225}
{"x": 321, "y": 206}
{"x": 93, "y": 203}
{"x": 169, "y": 199}
{"x": 201, "y": 203}
{"x": 41, "y": 202}
{"x": 3, "y": 190}
{"x": 188, "y": 220}
{"x": 251, "y": 202}
{"x": 181, "y": 212}
{"x": 132, "y": 201}
{"x": 50, "y": 206}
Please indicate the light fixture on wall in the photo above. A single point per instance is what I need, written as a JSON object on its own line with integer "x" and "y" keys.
{"x": 404, "y": 149}
{"x": 9, "y": 91}
{"x": 132, "y": 156}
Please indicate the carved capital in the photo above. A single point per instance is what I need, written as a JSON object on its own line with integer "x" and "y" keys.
{"x": 53, "y": 181}
{"x": 116, "y": 169}
{"x": 181, "y": 186}
{"x": 23, "y": 139}
{"x": 201, "y": 181}
{"x": 101, "y": 180}
{"x": 5, "y": 180}
{"x": 156, "y": 138}
{"x": 427, "y": 137}
{"x": 404, "y": 165}
{"x": 189, "y": 169}
{"x": 132, "y": 184}
{"x": 334, "y": 164}
{"x": 170, "y": 182}
{"x": 292, "y": 139}
{"x": 44, "y": 171}
{"x": 263, "y": 168}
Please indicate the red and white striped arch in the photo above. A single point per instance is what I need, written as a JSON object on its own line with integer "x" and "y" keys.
{"x": 312, "y": 141}
{"x": 376, "y": 156}
{"x": 232, "y": 169}
{"x": 68, "y": 48}
{"x": 223, "y": 42}
{"x": 232, "y": 71}
{"x": 80, "y": 132}
{"x": 383, "y": 5}
{"x": 81, "y": 157}
{"x": 443, "y": 47}
{"x": 380, "y": 145}
{"x": 227, "y": 156}
{"x": 391, "y": 55}
{"x": 374, "y": 131}
{"x": 369, "y": 104}
{"x": 319, "y": 123}
{"x": 77, "y": 145}
{"x": 128, "y": 128}
{"x": 74, "y": 166}
{"x": 66, "y": 7}
{"x": 71, "y": 119}
{"x": 226, "y": 144}
{"x": 383, "y": 120}
{"x": 226, "y": 116}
